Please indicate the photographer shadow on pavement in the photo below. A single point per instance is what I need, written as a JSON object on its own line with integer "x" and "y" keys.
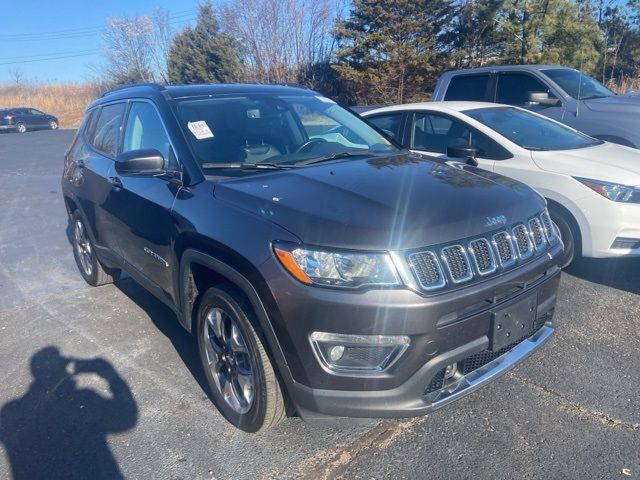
{"x": 58, "y": 429}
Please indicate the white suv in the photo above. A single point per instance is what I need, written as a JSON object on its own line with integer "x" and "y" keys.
{"x": 592, "y": 187}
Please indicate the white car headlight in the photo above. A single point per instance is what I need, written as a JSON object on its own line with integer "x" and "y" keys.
{"x": 338, "y": 269}
{"x": 612, "y": 191}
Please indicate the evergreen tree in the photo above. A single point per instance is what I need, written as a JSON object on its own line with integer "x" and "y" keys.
{"x": 389, "y": 49}
{"x": 204, "y": 54}
{"x": 549, "y": 31}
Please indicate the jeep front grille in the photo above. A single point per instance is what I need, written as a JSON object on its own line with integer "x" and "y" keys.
{"x": 469, "y": 260}
{"x": 482, "y": 256}
{"x": 522, "y": 241}
{"x": 549, "y": 228}
{"x": 427, "y": 269}
{"x": 457, "y": 262}
{"x": 504, "y": 247}
{"x": 537, "y": 233}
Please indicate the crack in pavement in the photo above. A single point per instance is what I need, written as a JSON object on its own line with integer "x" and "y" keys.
{"x": 574, "y": 407}
{"x": 329, "y": 465}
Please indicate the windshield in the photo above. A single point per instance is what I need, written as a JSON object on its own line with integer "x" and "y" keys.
{"x": 578, "y": 85}
{"x": 274, "y": 130}
{"x": 530, "y": 131}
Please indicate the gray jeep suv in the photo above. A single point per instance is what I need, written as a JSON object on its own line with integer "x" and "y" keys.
{"x": 321, "y": 268}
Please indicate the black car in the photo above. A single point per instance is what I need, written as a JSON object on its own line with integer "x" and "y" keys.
{"x": 322, "y": 269}
{"x": 22, "y": 119}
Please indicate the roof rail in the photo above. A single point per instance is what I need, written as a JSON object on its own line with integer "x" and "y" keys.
{"x": 289, "y": 84}
{"x": 155, "y": 86}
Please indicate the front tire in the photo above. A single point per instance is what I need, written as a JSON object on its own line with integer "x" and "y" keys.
{"x": 21, "y": 128}
{"x": 93, "y": 272}
{"x": 567, "y": 235}
{"x": 244, "y": 386}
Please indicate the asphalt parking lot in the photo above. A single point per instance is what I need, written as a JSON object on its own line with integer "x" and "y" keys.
{"x": 102, "y": 382}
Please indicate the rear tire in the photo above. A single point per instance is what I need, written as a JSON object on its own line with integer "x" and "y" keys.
{"x": 21, "y": 128}
{"x": 243, "y": 383}
{"x": 568, "y": 236}
{"x": 93, "y": 272}
{"x": 53, "y": 125}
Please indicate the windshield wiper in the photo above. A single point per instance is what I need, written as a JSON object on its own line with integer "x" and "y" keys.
{"x": 334, "y": 156}
{"x": 246, "y": 166}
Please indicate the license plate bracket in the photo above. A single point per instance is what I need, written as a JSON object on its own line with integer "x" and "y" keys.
{"x": 513, "y": 322}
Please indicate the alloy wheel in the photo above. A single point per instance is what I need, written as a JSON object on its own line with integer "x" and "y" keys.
{"x": 229, "y": 360}
{"x": 83, "y": 248}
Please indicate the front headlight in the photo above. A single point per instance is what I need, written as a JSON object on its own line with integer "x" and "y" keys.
{"x": 338, "y": 269}
{"x": 612, "y": 191}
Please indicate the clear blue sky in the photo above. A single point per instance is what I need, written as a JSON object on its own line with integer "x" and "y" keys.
{"x": 36, "y": 33}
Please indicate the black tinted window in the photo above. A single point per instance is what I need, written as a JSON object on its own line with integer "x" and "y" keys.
{"x": 468, "y": 87}
{"x": 390, "y": 124}
{"x": 107, "y": 127}
{"x": 435, "y": 133}
{"x": 514, "y": 88}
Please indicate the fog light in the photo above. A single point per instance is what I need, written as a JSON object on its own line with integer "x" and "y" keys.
{"x": 335, "y": 353}
{"x": 358, "y": 354}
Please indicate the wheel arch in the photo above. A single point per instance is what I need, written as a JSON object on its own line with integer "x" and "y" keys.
{"x": 201, "y": 269}
{"x": 571, "y": 219}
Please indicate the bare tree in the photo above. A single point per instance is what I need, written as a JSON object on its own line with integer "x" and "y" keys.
{"x": 135, "y": 49}
{"x": 17, "y": 76}
{"x": 281, "y": 37}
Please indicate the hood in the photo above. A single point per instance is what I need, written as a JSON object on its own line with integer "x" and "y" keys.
{"x": 618, "y": 103}
{"x": 608, "y": 162}
{"x": 391, "y": 203}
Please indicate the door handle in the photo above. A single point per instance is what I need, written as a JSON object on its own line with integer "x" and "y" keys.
{"x": 115, "y": 182}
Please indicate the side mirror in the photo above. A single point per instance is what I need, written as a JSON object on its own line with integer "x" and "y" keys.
{"x": 147, "y": 161}
{"x": 465, "y": 153}
{"x": 542, "y": 98}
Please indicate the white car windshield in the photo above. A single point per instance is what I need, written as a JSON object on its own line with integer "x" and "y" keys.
{"x": 280, "y": 130}
{"x": 530, "y": 131}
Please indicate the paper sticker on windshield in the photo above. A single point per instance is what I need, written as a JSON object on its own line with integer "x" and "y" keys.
{"x": 324, "y": 99}
{"x": 200, "y": 129}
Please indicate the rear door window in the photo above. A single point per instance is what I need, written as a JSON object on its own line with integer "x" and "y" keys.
{"x": 107, "y": 129}
{"x": 468, "y": 87}
{"x": 514, "y": 88}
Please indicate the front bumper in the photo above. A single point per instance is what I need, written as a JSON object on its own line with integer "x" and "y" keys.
{"x": 444, "y": 329}
{"x": 609, "y": 221}
{"x": 411, "y": 398}
{"x": 7, "y": 127}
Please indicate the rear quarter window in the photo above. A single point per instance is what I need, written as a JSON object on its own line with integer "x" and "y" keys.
{"x": 468, "y": 87}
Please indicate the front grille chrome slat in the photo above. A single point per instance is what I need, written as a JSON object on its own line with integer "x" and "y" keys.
{"x": 482, "y": 255}
{"x": 522, "y": 241}
{"x": 538, "y": 236}
{"x": 504, "y": 247}
{"x": 457, "y": 262}
{"x": 472, "y": 259}
{"x": 549, "y": 228}
{"x": 427, "y": 270}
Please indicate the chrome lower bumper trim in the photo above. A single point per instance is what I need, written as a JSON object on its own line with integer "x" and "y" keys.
{"x": 491, "y": 370}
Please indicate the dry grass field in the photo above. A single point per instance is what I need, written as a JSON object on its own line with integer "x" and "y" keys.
{"x": 66, "y": 101}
